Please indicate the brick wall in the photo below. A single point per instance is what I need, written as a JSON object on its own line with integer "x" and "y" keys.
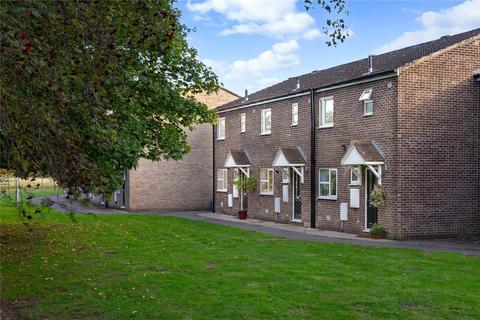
{"x": 262, "y": 150}
{"x": 331, "y": 143}
{"x": 438, "y": 144}
{"x": 185, "y": 184}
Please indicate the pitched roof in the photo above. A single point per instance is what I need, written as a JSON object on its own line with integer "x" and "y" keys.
{"x": 240, "y": 158}
{"x": 382, "y": 63}
{"x": 362, "y": 152}
{"x": 291, "y": 156}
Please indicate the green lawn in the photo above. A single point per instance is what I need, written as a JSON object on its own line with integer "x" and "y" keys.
{"x": 151, "y": 267}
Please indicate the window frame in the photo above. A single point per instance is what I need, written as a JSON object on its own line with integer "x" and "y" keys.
{"x": 263, "y": 130}
{"x": 224, "y": 179}
{"x": 323, "y": 105}
{"x": 359, "y": 175}
{"x": 330, "y": 196}
{"x": 243, "y": 122}
{"x": 294, "y": 114}
{"x": 365, "y": 102}
{"x": 286, "y": 175}
{"x": 267, "y": 180}
{"x": 221, "y": 119}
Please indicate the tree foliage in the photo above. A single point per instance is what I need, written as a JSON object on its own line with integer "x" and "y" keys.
{"x": 89, "y": 87}
{"x": 336, "y": 28}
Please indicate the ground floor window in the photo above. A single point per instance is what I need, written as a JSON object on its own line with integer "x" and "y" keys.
{"x": 285, "y": 175}
{"x": 355, "y": 176}
{"x": 266, "y": 181}
{"x": 328, "y": 184}
{"x": 222, "y": 180}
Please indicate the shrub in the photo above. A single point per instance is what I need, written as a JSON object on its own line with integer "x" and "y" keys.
{"x": 377, "y": 197}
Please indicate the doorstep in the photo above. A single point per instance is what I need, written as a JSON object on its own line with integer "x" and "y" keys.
{"x": 290, "y": 227}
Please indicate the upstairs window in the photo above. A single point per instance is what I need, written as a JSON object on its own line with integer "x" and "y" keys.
{"x": 294, "y": 114}
{"x": 266, "y": 121}
{"x": 221, "y": 129}
{"x": 366, "y": 97}
{"x": 266, "y": 181}
{"x": 243, "y": 125}
{"x": 326, "y": 112}
{"x": 222, "y": 180}
{"x": 328, "y": 184}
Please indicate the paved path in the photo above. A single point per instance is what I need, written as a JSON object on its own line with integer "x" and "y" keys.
{"x": 284, "y": 230}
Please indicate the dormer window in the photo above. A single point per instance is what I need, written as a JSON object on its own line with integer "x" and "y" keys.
{"x": 366, "y": 97}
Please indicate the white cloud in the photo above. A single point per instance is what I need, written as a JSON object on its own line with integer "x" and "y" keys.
{"x": 282, "y": 55}
{"x": 254, "y": 73}
{"x": 457, "y": 19}
{"x": 274, "y": 18}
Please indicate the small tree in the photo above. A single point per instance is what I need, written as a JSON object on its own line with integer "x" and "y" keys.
{"x": 245, "y": 184}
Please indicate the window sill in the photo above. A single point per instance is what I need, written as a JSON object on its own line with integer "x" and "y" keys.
{"x": 265, "y": 134}
{"x": 367, "y": 115}
{"x": 294, "y": 125}
{"x": 327, "y": 198}
{"x": 222, "y": 191}
{"x": 326, "y": 126}
{"x": 355, "y": 184}
{"x": 220, "y": 139}
{"x": 242, "y": 131}
{"x": 266, "y": 194}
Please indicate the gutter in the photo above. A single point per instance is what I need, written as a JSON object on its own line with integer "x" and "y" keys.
{"x": 313, "y": 182}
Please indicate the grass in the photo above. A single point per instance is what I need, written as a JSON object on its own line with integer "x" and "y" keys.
{"x": 153, "y": 267}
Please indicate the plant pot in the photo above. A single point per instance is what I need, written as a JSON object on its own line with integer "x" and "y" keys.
{"x": 377, "y": 235}
{"x": 242, "y": 215}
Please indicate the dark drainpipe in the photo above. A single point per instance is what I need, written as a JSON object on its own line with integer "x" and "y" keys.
{"x": 312, "y": 160}
{"x": 213, "y": 166}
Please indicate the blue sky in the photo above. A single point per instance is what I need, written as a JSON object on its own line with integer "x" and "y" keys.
{"x": 252, "y": 44}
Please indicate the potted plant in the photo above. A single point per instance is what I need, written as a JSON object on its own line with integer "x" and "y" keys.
{"x": 378, "y": 232}
{"x": 243, "y": 185}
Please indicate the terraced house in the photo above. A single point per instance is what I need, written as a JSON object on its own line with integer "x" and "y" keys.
{"x": 405, "y": 123}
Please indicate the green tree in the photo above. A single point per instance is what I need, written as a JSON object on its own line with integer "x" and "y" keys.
{"x": 335, "y": 29}
{"x": 90, "y": 87}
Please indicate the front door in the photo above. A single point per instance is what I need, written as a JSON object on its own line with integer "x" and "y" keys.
{"x": 372, "y": 212}
{"x": 297, "y": 197}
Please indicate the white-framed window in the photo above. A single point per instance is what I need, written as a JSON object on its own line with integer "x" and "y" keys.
{"x": 236, "y": 176}
{"x": 367, "y": 107}
{"x": 266, "y": 121}
{"x": 328, "y": 184}
{"x": 222, "y": 180}
{"x": 355, "y": 176}
{"x": 366, "y": 97}
{"x": 285, "y": 175}
{"x": 266, "y": 181}
{"x": 221, "y": 129}
{"x": 294, "y": 114}
{"x": 326, "y": 112}
{"x": 243, "y": 124}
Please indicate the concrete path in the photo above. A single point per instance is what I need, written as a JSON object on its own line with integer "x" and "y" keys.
{"x": 283, "y": 230}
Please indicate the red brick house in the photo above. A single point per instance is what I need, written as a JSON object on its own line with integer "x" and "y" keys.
{"x": 405, "y": 122}
{"x": 170, "y": 185}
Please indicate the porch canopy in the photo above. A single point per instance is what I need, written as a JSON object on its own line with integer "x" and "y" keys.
{"x": 290, "y": 157}
{"x": 238, "y": 159}
{"x": 364, "y": 153}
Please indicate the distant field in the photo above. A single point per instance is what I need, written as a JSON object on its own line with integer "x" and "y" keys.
{"x": 38, "y": 187}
